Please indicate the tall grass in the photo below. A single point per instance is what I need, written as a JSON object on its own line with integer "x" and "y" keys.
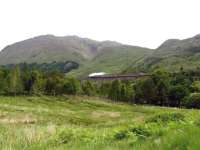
{"x": 89, "y": 123}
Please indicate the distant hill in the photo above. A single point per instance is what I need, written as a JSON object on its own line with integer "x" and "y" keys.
{"x": 173, "y": 54}
{"x": 90, "y": 55}
{"x": 50, "y": 48}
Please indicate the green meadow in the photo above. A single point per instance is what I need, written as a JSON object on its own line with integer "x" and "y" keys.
{"x": 90, "y": 123}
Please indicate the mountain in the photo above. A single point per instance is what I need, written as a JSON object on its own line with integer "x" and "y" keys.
{"x": 91, "y": 55}
{"x": 174, "y": 54}
{"x": 113, "y": 60}
{"x": 50, "y": 48}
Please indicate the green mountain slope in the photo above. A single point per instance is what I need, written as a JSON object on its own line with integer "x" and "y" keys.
{"x": 172, "y": 55}
{"x": 113, "y": 60}
{"x": 92, "y": 56}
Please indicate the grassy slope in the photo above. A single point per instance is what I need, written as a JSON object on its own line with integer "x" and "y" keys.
{"x": 171, "y": 63}
{"x": 45, "y": 123}
{"x": 175, "y": 63}
{"x": 113, "y": 60}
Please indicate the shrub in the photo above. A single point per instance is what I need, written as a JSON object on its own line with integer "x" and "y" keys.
{"x": 141, "y": 131}
{"x": 166, "y": 117}
{"x": 122, "y": 134}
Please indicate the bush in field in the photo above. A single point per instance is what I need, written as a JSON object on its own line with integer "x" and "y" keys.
{"x": 121, "y": 134}
{"x": 141, "y": 131}
{"x": 136, "y": 132}
{"x": 69, "y": 135}
{"x": 193, "y": 100}
{"x": 166, "y": 118}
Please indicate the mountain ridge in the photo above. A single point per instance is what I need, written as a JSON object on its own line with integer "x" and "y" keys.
{"x": 91, "y": 55}
{"x": 174, "y": 54}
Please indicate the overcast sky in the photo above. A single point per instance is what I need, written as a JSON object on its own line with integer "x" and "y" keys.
{"x": 144, "y": 23}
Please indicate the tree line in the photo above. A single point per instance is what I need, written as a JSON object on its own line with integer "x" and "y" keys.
{"x": 63, "y": 67}
{"x": 181, "y": 89}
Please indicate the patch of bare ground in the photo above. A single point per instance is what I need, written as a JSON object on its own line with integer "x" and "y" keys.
{"x": 25, "y": 120}
{"x": 98, "y": 114}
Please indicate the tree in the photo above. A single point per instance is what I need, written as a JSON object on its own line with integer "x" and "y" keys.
{"x": 127, "y": 92}
{"x": 71, "y": 86}
{"x": 54, "y": 83}
{"x": 3, "y": 81}
{"x": 192, "y": 101}
{"x": 177, "y": 94}
{"x": 161, "y": 80}
{"x": 130, "y": 93}
{"x": 195, "y": 86}
{"x": 37, "y": 82}
{"x": 88, "y": 88}
{"x": 14, "y": 81}
{"x": 104, "y": 89}
{"x": 145, "y": 91}
{"x": 115, "y": 90}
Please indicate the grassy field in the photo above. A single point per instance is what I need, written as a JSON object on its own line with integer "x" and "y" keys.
{"x": 85, "y": 123}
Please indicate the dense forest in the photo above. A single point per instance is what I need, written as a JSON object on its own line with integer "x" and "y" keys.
{"x": 63, "y": 67}
{"x": 162, "y": 88}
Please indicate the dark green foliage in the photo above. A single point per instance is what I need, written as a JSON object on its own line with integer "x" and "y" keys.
{"x": 122, "y": 134}
{"x": 145, "y": 91}
{"x": 54, "y": 83}
{"x": 176, "y": 95}
{"x": 104, "y": 88}
{"x": 195, "y": 87}
{"x": 153, "y": 90}
{"x": 63, "y": 67}
{"x": 161, "y": 80}
{"x": 193, "y": 100}
{"x": 88, "y": 88}
{"x": 3, "y": 80}
{"x": 115, "y": 90}
{"x": 14, "y": 81}
{"x": 166, "y": 118}
{"x": 127, "y": 92}
{"x": 71, "y": 86}
{"x": 160, "y": 88}
{"x": 140, "y": 131}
